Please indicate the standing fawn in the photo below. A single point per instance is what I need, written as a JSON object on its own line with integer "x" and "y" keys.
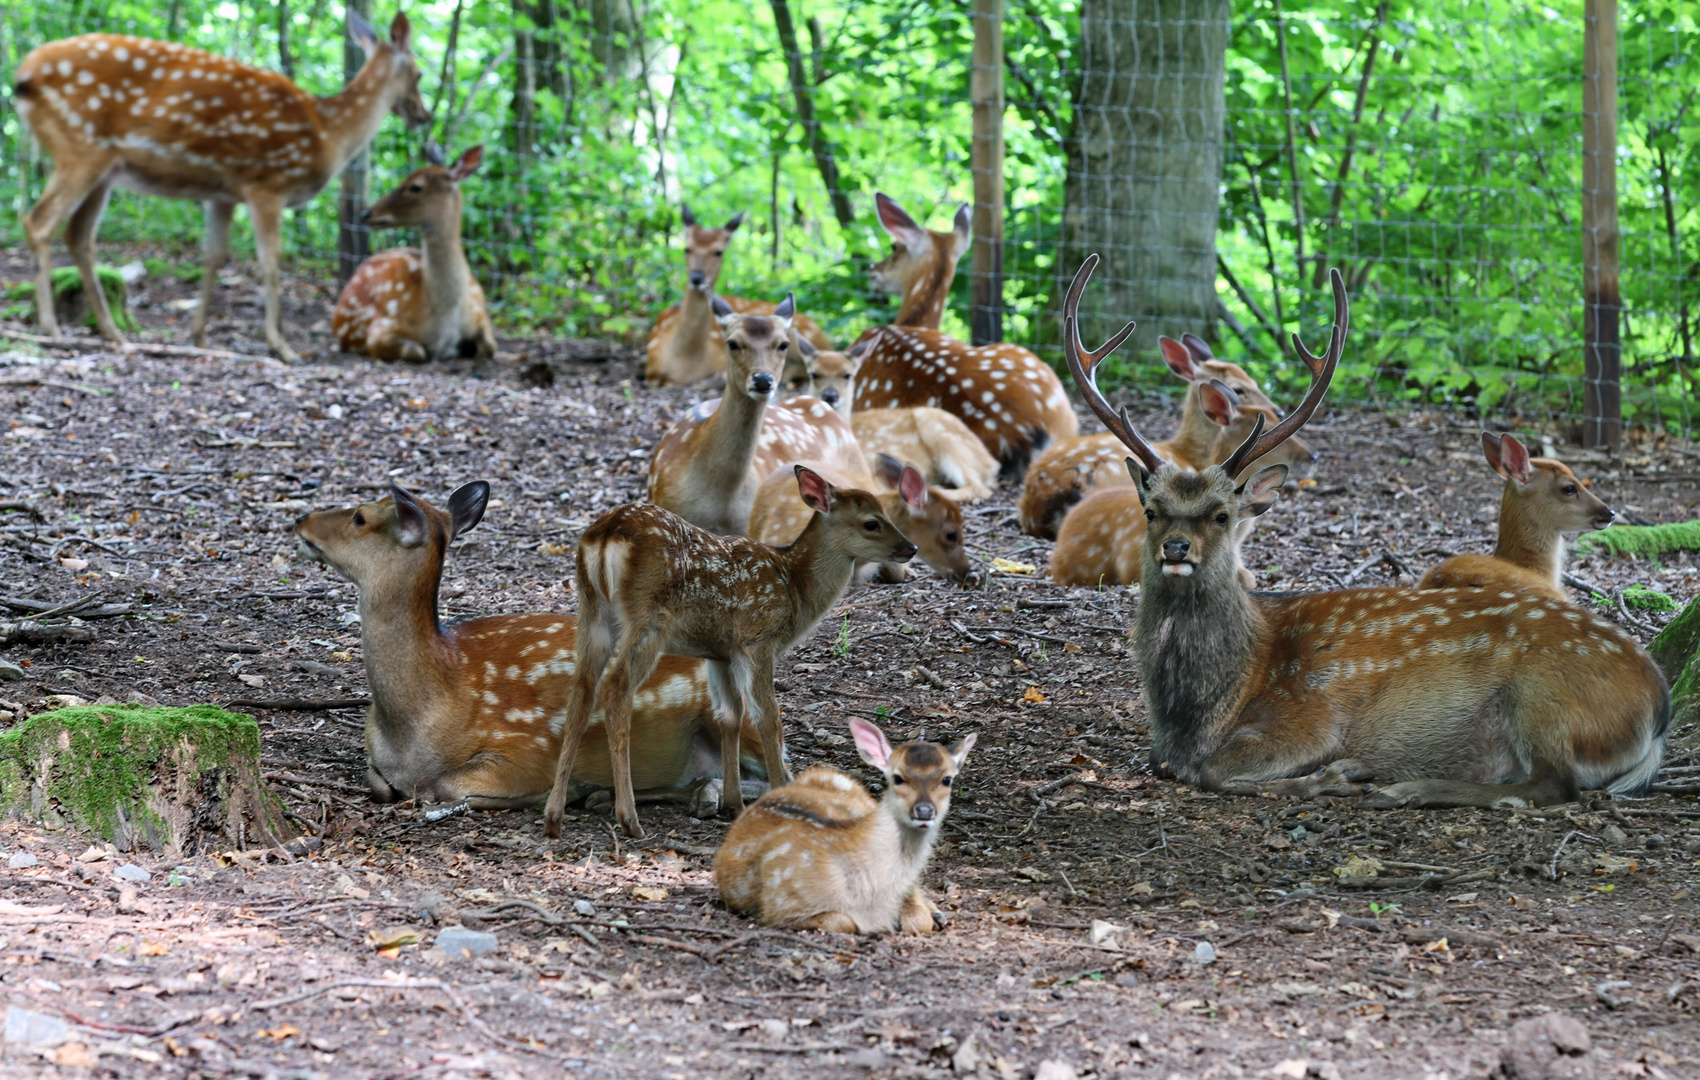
{"x": 1451, "y": 697}
{"x": 821, "y": 854}
{"x": 164, "y": 119}
{"x": 708, "y": 466}
{"x": 1012, "y": 401}
{"x": 423, "y": 303}
{"x": 929, "y": 518}
{"x": 650, "y": 582}
{"x": 686, "y": 344}
{"x": 1543, "y": 500}
{"x": 473, "y": 710}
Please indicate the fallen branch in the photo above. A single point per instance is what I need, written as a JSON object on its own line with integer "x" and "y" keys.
{"x": 147, "y": 347}
{"x": 16, "y": 504}
{"x": 126, "y": 1029}
{"x": 298, "y": 704}
{"x": 33, "y": 632}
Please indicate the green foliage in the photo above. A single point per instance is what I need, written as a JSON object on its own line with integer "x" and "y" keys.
{"x": 1642, "y": 540}
{"x": 1647, "y": 599}
{"x": 65, "y": 281}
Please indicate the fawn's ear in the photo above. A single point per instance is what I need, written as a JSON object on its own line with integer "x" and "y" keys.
{"x": 722, "y": 310}
{"x": 871, "y": 744}
{"x": 962, "y": 233}
{"x": 466, "y": 505}
{"x": 859, "y": 350}
{"x": 1180, "y": 359}
{"x": 401, "y": 32}
{"x": 787, "y": 310}
{"x": 411, "y": 524}
{"x": 913, "y": 487}
{"x": 806, "y": 348}
{"x": 737, "y": 220}
{"x": 1140, "y": 474}
{"x": 1220, "y": 402}
{"x": 889, "y": 470}
{"x": 1515, "y": 457}
{"x": 361, "y": 32}
{"x": 434, "y": 153}
{"x": 959, "y": 749}
{"x": 898, "y": 224}
{"x": 816, "y": 492}
{"x": 468, "y": 164}
{"x": 1195, "y": 345}
{"x": 685, "y": 215}
{"x": 1259, "y": 493}
{"x": 1490, "y": 450}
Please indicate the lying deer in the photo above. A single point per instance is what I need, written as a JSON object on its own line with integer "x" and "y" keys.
{"x": 686, "y": 344}
{"x": 650, "y": 582}
{"x": 1543, "y": 500}
{"x": 821, "y": 854}
{"x": 165, "y": 119}
{"x": 1452, "y": 697}
{"x": 1012, "y": 401}
{"x": 422, "y": 303}
{"x": 1072, "y": 469}
{"x": 929, "y": 518}
{"x": 710, "y": 463}
{"x": 473, "y": 710}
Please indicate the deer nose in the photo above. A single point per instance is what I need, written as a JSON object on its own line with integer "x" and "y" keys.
{"x": 923, "y": 811}
{"x": 761, "y": 382}
{"x": 366, "y": 215}
{"x": 830, "y": 396}
{"x": 1175, "y": 550}
{"x": 1604, "y": 517}
{"x": 697, "y": 278}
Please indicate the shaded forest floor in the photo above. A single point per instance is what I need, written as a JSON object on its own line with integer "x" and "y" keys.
{"x": 171, "y": 485}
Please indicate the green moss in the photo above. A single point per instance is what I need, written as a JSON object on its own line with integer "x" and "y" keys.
{"x": 1643, "y": 540}
{"x": 1640, "y": 596}
{"x": 1677, "y": 652}
{"x": 66, "y": 281}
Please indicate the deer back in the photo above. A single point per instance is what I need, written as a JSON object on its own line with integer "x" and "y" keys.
{"x": 938, "y": 443}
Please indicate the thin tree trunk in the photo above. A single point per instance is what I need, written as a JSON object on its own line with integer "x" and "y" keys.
{"x": 985, "y": 316}
{"x": 353, "y": 240}
{"x": 1338, "y": 198}
{"x": 1292, "y": 145}
{"x": 445, "y": 74}
{"x": 1669, "y": 201}
{"x": 523, "y": 105}
{"x": 800, "y": 90}
{"x": 286, "y": 63}
{"x": 1602, "y": 344}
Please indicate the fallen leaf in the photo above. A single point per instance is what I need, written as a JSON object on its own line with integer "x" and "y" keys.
{"x": 152, "y": 948}
{"x": 280, "y": 1033}
{"x": 646, "y": 892}
{"x": 1033, "y": 696}
{"x": 255, "y": 681}
{"x": 1359, "y": 866}
{"x": 1293, "y": 1067}
{"x": 73, "y": 1054}
{"x": 1009, "y": 566}
{"x": 390, "y": 939}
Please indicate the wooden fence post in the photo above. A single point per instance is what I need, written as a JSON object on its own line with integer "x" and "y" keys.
{"x": 985, "y": 89}
{"x": 353, "y": 239}
{"x": 1602, "y": 301}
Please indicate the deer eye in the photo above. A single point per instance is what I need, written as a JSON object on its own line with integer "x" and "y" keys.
{"x": 871, "y": 526}
{"x": 359, "y": 520}
{"x": 945, "y": 782}
{"x": 416, "y": 188}
{"x": 950, "y": 537}
{"x": 1222, "y": 518}
{"x": 1150, "y": 515}
{"x": 896, "y": 779}
{"x": 783, "y": 344}
{"x": 734, "y": 346}
{"x": 1570, "y": 489}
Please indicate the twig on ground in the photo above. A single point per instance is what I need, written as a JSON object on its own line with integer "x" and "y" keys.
{"x": 298, "y": 704}
{"x": 445, "y": 989}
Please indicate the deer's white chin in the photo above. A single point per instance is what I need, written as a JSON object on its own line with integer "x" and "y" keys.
{"x": 1178, "y": 569}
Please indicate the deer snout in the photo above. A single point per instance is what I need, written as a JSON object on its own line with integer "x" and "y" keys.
{"x": 1604, "y": 517}
{"x": 923, "y": 811}
{"x": 1175, "y": 563}
{"x": 904, "y": 551}
{"x": 699, "y": 280}
{"x": 761, "y": 382}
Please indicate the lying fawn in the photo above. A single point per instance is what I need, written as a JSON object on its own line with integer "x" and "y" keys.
{"x": 710, "y": 463}
{"x": 650, "y": 582}
{"x": 686, "y": 345}
{"x": 422, "y": 303}
{"x": 1012, "y": 401}
{"x": 821, "y": 854}
{"x": 929, "y": 518}
{"x": 473, "y": 710}
{"x": 1452, "y": 697}
{"x": 164, "y": 119}
{"x": 1543, "y": 500}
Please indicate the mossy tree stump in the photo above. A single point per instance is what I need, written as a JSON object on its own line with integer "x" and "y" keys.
{"x": 174, "y": 780}
{"x": 1677, "y": 652}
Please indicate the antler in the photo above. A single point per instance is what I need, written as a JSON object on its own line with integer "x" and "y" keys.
{"x": 1084, "y": 366}
{"x": 1322, "y": 367}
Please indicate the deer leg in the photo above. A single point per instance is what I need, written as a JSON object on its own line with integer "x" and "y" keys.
{"x": 590, "y": 657}
{"x": 835, "y": 922}
{"x": 79, "y": 237}
{"x": 1547, "y": 785}
{"x": 730, "y": 704}
{"x": 630, "y": 669}
{"x": 918, "y": 915}
{"x": 767, "y": 720}
{"x": 66, "y": 190}
{"x": 215, "y": 252}
{"x": 266, "y": 214}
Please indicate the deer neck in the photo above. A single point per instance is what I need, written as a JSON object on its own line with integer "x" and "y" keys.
{"x": 445, "y": 269}
{"x": 1522, "y": 543}
{"x": 729, "y": 441}
{"x": 1195, "y": 440}
{"x": 351, "y": 118}
{"x": 819, "y": 572}
{"x": 696, "y": 316}
{"x": 406, "y": 655}
{"x": 923, "y": 299}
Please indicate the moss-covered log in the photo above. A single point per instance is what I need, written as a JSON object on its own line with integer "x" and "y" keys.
{"x": 1677, "y": 652}
{"x": 70, "y": 305}
{"x": 173, "y": 780}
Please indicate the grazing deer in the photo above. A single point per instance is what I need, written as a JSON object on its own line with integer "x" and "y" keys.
{"x": 1012, "y": 401}
{"x": 422, "y": 303}
{"x": 708, "y": 466}
{"x": 474, "y": 710}
{"x": 650, "y": 582}
{"x": 1102, "y": 539}
{"x": 929, "y": 518}
{"x": 1543, "y": 500}
{"x": 686, "y": 344}
{"x": 1071, "y": 469}
{"x": 821, "y": 854}
{"x": 165, "y": 119}
{"x": 1452, "y": 697}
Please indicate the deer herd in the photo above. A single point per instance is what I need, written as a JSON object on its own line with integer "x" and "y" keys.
{"x": 817, "y": 469}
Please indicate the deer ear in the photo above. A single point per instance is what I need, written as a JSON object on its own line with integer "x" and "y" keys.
{"x": 1140, "y": 474}
{"x": 871, "y": 744}
{"x": 1490, "y": 450}
{"x": 433, "y": 153}
{"x": 913, "y": 487}
{"x": 1515, "y": 457}
{"x": 859, "y": 350}
{"x": 466, "y": 505}
{"x": 411, "y": 524}
{"x": 806, "y": 348}
{"x": 959, "y": 749}
{"x": 962, "y": 232}
{"x": 1220, "y": 402}
{"x": 816, "y": 492}
{"x": 786, "y": 310}
{"x": 360, "y": 31}
{"x": 401, "y": 32}
{"x": 1180, "y": 359}
{"x": 685, "y": 215}
{"x": 1259, "y": 493}
{"x": 897, "y": 223}
{"x": 888, "y": 469}
{"x": 737, "y": 220}
{"x": 1196, "y": 345}
{"x": 468, "y": 164}
{"x": 722, "y": 310}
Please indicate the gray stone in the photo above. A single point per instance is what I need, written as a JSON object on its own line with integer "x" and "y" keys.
{"x": 1550, "y": 1047}
{"x": 10, "y": 672}
{"x": 869, "y": 1057}
{"x": 131, "y": 872}
{"x": 456, "y": 940}
{"x": 21, "y": 860}
{"x": 34, "y": 1029}
{"x": 584, "y": 907}
{"x": 1054, "y": 1070}
{"x": 430, "y": 905}
{"x": 1204, "y": 953}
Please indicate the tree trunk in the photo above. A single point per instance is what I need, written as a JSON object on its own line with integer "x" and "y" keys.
{"x": 1677, "y": 652}
{"x": 803, "y": 94}
{"x": 1602, "y": 303}
{"x": 523, "y": 108}
{"x": 353, "y": 239}
{"x": 1145, "y": 166}
{"x": 985, "y": 318}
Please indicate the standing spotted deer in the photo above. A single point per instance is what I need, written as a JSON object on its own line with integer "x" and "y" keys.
{"x": 650, "y": 582}
{"x": 1447, "y": 697}
{"x": 422, "y": 303}
{"x": 164, "y": 119}
{"x": 821, "y": 854}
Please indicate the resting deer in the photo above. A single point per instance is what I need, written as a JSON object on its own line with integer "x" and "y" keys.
{"x": 650, "y": 582}
{"x": 164, "y": 119}
{"x": 1070, "y": 470}
{"x": 422, "y": 303}
{"x": 1452, "y": 697}
{"x": 473, "y": 710}
{"x": 1012, "y": 401}
{"x": 686, "y": 344}
{"x": 821, "y": 854}
{"x": 929, "y": 518}
{"x": 708, "y": 466}
{"x": 1543, "y": 500}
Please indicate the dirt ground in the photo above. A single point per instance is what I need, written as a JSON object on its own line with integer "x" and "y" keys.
{"x": 1233, "y": 946}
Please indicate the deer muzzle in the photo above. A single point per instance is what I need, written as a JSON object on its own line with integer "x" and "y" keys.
{"x": 1604, "y": 517}
{"x": 1175, "y": 561}
{"x": 761, "y": 383}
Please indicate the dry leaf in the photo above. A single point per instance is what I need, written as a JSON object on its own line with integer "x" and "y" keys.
{"x": 280, "y": 1033}
{"x": 390, "y": 939}
{"x": 1010, "y": 566}
{"x": 1033, "y": 695}
{"x": 152, "y": 948}
{"x": 646, "y": 892}
{"x": 74, "y": 564}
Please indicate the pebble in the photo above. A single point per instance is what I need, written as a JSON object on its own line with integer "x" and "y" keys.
{"x": 10, "y": 672}
{"x": 131, "y": 872}
{"x": 21, "y": 860}
{"x": 430, "y": 904}
{"x": 456, "y": 940}
{"x": 34, "y": 1029}
{"x": 1055, "y": 1070}
{"x": 1204, "y": 953}
{"x": 584, "y": 907}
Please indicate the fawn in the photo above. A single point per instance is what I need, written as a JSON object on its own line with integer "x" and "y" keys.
{"x": 686, "y": 345}
{"x": 821, "y": 854}
{"x": 1543, "y": 500}
{"x": 422, "y": 303}
{"x": 710, "y": 463}
{"x": 930, "y": 519}
{"x": 164, "y": 119}
{"x": 1451, "y": 697}
{"x": 650, "y": 582}
{"x": 473, "y": 710}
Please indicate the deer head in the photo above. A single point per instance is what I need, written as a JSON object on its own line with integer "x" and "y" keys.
{"x": 855, "y": 520}
{"x": 914, "y": 250}
{"x": 918, "y": 775}
{"x": 427, "y": 197}
{"x": 391, "y": 540}
{"x": 756, "y": 347}
{"x": 399, "y": 71}
{"x": 931, "y": 520}
{"x": 705, "y": 248}
{"x": 1548, "y": 495}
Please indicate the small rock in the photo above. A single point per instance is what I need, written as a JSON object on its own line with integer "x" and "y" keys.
{"x": 313, "y": 667}
{"x": 131, "y": 872}
{"x": 1127, "y": 979}
{"x": 868, "y": 1057}
{"x": 303, "y": 846}
{"x": 774, "y": 1029}
{"x": 1104, "y": 932}
{"x": 1654, "y": 842}
{"x": 1204, "y": 953}
{"x": 584, "y": 907}
{"x": 429, "y": 905}
{"x": 34, "y": 1029}
{"x": 1615, "y": 836}
{"x": 1055, "y": 1070}
{"x": 456, "y": 941}
{"x": 1550, "y": 1047}
{"x": 10, "y": 672}
{"x": 967, "y": 1057}
{"x": 21, "y": 860}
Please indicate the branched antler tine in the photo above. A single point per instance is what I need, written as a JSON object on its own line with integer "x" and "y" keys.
{"x": 1322, "y": 368}
{"x": 1083, "y": 364}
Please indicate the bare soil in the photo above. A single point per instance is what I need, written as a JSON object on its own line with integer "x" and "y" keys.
{"x": 170, "y": 484}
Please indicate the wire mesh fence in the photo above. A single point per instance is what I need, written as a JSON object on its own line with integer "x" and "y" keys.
{"x": 1220, "y": 155}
